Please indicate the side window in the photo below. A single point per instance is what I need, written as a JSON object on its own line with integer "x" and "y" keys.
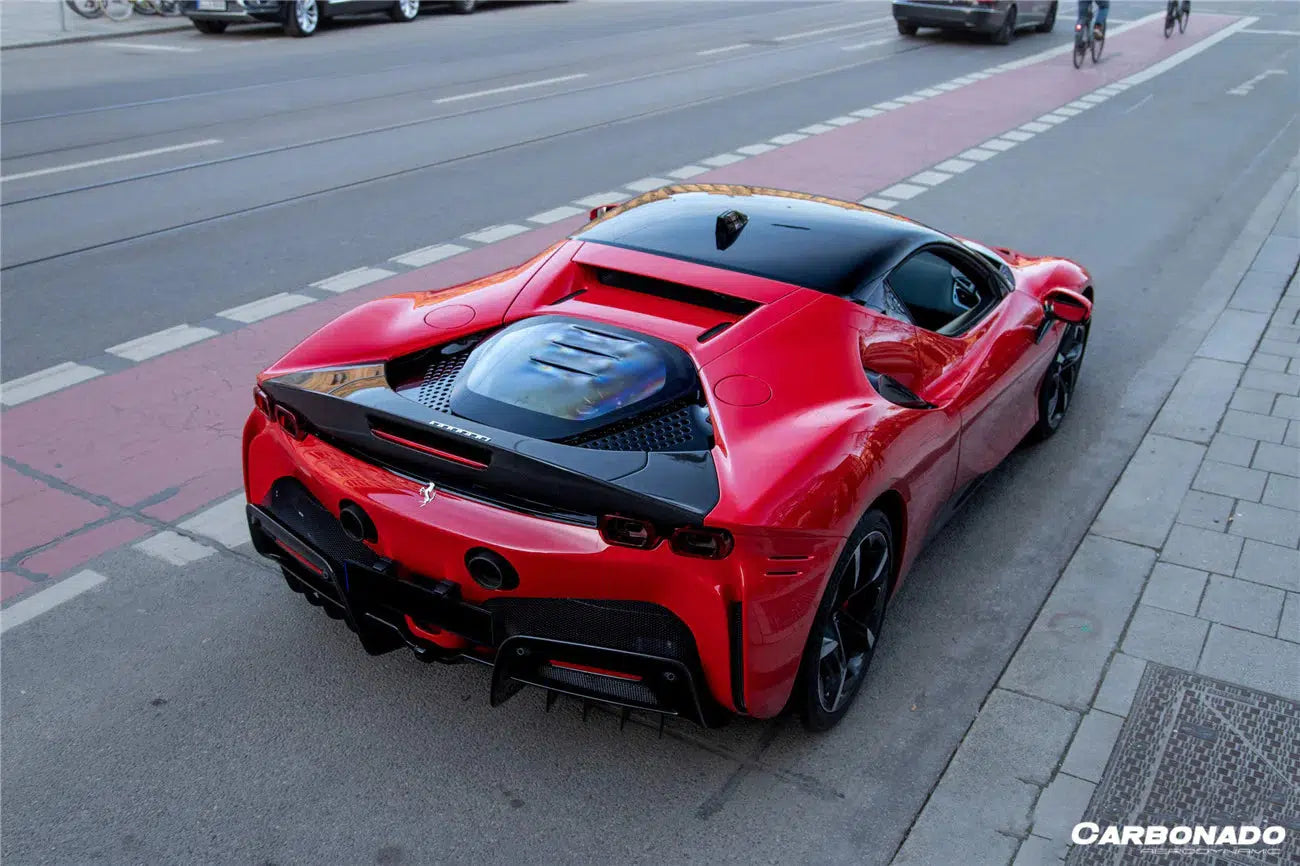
{"x": 941, "y": 295}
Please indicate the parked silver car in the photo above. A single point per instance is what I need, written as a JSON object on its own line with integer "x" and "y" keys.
{"x": 999, "y": 19}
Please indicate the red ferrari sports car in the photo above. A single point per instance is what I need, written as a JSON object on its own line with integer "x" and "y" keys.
{"x": 678, "y": 462}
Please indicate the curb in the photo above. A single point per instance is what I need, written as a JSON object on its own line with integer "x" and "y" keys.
{"x": 92, "y": 37}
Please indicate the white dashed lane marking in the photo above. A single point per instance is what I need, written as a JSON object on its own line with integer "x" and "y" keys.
{"x": 930, "y": 177}
{"x": 954, "y": 165}
{"x": 353, "y": 279}
{"x": 601, "y": 198}
{"x": 159, "y": 342}
{"x": 225, "y": 523}
{"x": 48, "y": 599}
{"x": 723, "y": 50}
{"x": 646, "y": 184}
{"x": 493, "y": 91}
{"x": 174, "y": 548}
{"x": 722, "y": 159}
{"x": 428, "y": 255}
{"x": 45, "y": 381}
{"x": 902, "y": 191}
{"x": 822, "y": 31}
{"x": 555, "y": 214}
{"x": 687, "y": 171}
{"x": 255, "y": 311}
{"x": 90, "y": 163}
{"x": 492, "y": 234}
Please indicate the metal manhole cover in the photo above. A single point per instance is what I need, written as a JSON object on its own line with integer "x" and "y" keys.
{"x": 1196, "y": 751}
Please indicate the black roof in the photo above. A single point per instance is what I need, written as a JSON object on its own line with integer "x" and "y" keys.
{"x": 806, "y": 240}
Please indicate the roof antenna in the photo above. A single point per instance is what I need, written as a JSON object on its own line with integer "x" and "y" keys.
{"x": 729, "y": 227}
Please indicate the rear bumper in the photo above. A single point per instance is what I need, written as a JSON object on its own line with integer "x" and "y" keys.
{"x": 236, "y": 11}
{"x": 737, "y": 625}
{"x": 382, "y": 609}
{"x": 976, "y": 19}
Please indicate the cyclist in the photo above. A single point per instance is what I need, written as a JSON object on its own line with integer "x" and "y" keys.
{"x": 1098, "y": 27}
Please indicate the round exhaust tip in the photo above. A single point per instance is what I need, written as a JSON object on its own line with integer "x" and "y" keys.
{"x": 356, "y": 524}
{"x": 491, "y": 570}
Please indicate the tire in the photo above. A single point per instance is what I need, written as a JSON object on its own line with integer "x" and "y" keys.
{"x": 812, "y": 699}
{"x": 1049, "y": 22}
{"x": 1050, "y": 411}
{"x": 405, "y": 10}
{"x": 464, "y": 7}
{"x": 1182, "y": 19}
{"x": 1099, "y": 45}
{"x": 210, "y": 27}
{"x": 118, "y": 10}
{"x": 1080, "y": 49}
{"x": 86, "y": 8}
{"x": 906, "y": 29}
{"x": 1169, "y": 20}
{"x": 301, "y": 18}
{"x": 1007, "y": 31}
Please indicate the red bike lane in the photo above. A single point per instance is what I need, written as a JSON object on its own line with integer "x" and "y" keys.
{"x": 106, "y": 462}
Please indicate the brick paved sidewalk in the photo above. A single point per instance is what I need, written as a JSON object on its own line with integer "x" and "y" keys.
{"x": 27, "y": 23}
{"x": 1159, "y": 683}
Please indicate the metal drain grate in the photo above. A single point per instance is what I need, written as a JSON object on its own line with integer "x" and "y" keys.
{"x": 1196, "y": 751}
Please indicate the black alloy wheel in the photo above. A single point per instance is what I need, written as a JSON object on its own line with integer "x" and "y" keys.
{"x": 848, "y": 624}
{"x": 1057, "y": 391}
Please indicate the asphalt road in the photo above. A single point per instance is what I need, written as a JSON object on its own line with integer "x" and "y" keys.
{"x": 204, "y": 714}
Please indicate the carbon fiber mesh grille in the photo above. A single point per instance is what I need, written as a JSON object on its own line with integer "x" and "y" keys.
{"x": 628, "y": 691}
{"x": 293, "y": 505}
{"x": 435, "y": 389}
{"x": 631, "y": 626}
{"x": 667, "y": 430}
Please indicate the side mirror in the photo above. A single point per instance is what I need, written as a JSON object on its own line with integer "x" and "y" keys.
{"x": 1063, "y": 305}
{"x": 598, "y": 212}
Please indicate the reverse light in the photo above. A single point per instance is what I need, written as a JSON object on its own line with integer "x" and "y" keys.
{"x": 262, "y": 401}
{"x": 704, "y": 543}
{"x": 288, "y": 420}
{"x": 628, "y": 532}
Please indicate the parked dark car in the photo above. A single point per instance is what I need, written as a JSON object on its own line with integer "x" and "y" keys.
{"x": 999, "y": 19}
{"x": 298, "y": 18}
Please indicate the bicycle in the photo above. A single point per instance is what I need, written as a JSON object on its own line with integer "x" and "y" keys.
{"x": 1085, "y": 40}
{"x": 120, "y": 10}
{"x": 1177, "y": 11}
{"x": 116, "y": 10}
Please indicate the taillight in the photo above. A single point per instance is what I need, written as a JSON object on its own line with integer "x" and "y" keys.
{"x": 628, "y": 532}
{"x": 262, "y": 401}
{"x": 704, "y": 543}
{"x": 289, "y": 421}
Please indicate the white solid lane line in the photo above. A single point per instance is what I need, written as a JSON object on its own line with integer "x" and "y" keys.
{"x": 723, "y": 50}
{"x": 48, "y": 599}
{"x": 824, "y": 30}
{"x": 541, "y": 82}
{"x": 140, "y": 154}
